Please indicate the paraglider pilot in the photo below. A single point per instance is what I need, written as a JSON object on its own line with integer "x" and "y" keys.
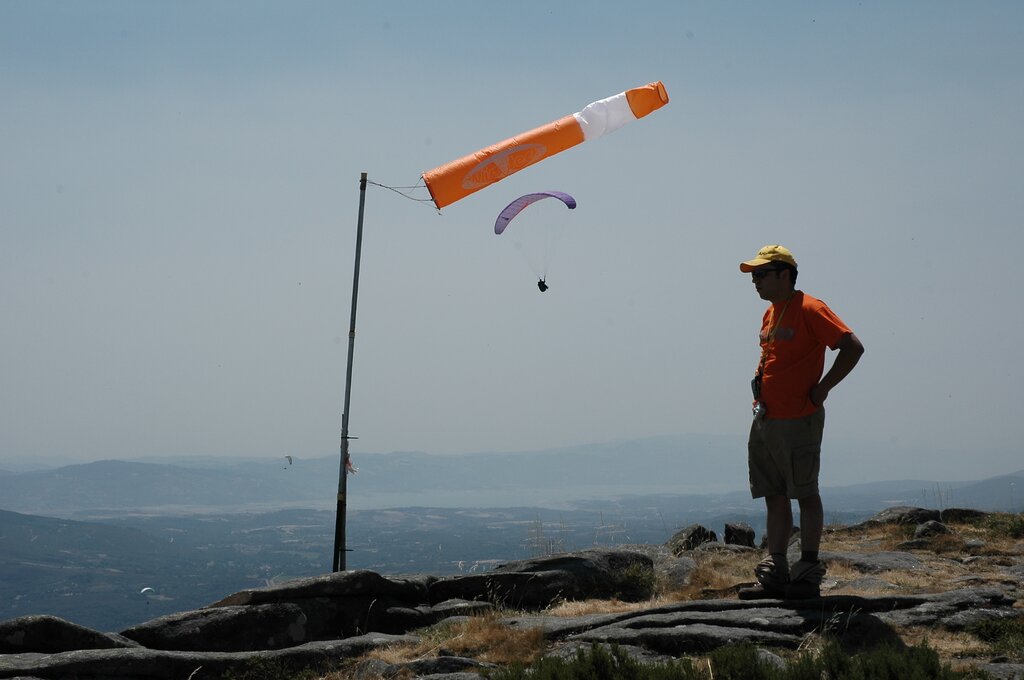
{"x": 542, "y": 285}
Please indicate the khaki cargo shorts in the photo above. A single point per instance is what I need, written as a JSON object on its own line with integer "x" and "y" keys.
{"x": 784, "y": 455}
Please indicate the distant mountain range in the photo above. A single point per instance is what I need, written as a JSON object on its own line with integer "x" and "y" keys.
{"x": 676, "y": 466}
{"x": 383, "y": 480}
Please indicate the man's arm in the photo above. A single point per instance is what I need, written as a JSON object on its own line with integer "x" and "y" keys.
{"x": 850, "y": 351}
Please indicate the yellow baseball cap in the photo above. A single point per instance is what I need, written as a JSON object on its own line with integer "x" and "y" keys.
{"x": 768, "y": 254}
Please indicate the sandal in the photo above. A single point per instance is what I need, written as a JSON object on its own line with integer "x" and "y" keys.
{"x": 807, "y": 572}
{"x": 771, "y": 575}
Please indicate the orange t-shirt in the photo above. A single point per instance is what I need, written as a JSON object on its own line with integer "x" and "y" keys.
{"x": 795, "y": 357}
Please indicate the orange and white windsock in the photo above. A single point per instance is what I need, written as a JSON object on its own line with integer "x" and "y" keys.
{"x": 459, "y": 178}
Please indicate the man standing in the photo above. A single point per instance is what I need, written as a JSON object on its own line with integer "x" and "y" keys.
{"x": 784, "y": 449}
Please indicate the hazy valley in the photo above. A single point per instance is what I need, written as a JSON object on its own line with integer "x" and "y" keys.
{"x": 82, "y": 541}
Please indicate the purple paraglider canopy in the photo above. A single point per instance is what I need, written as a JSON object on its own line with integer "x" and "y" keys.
{"x": 518, "y": 205}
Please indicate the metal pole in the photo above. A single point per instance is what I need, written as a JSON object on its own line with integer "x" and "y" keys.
{"x": 339, "y": 526}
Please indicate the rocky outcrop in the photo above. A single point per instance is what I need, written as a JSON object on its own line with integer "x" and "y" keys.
{"x": 953, "y": 515}
{"x": 672, "y": 572}
{"x": 696, "y": 627}
{"x": 225, "y": 629}
{"x": 149, "y": 664}
{"x": 323, "y": 621}
{"x": 739, "y": 533}
{"x": 876, "y": 562}
{"x": 536, "y": 583}
{"x": 692, "y": 627}
{"x": 690, "y": 537}
{"x": 349, "y": 603}
{"x": 313, "y": 621}
{"x": 903, "y": 514}
{"x": 931, "y": 528}
{"x": 49, "y": 634}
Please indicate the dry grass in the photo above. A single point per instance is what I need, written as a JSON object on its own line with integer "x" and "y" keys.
{"x": 485, "y": 638}
{"x": 941, "y": 556}
{"x": 586, "y": 607}
{"x": 717, "y": 575}
{"x": 961, "y": 650}
{"x": 948, "y": 644}
{"x": 892, "y": 536}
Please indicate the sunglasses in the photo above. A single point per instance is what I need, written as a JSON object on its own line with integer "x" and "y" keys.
{"x": 761, "y": 273}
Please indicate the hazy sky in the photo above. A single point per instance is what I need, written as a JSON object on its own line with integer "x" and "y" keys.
{"x": 179, "y": 192}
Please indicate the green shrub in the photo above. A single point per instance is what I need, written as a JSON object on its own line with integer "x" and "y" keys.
{"x": 259, "y": 668}
{"x": 1004, "y": 636}
{"x": 741, "y": 662}
{"x": 920, "y": 662}
{"x": 882, "y": 663}
{"x": 1004, "y": 524}
{"x": 598, "y": 663}
{"x": 635, "y": 583}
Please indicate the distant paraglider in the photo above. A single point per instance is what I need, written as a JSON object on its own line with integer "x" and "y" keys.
{"x": 520, "y": 204}
{"x": 289, "y": 459}
{"x": 146, "y": 590}
{"x": 517, "y": 206}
